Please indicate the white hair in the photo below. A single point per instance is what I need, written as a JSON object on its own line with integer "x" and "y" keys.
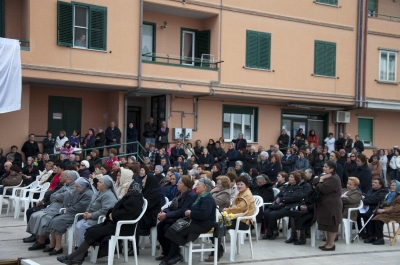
{"x": 263, "y": 153}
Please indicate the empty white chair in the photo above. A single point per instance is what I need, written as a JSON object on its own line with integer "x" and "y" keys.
{"x": 258, "y": 200}
{"x": 28, "y": 201}
{"x": 4, "y": 195}
{"x": 18, "y": 193}
{"x": 347, "y": 223}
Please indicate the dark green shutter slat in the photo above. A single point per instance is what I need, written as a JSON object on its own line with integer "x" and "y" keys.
{"x": 328, "y": 2}
{"x": 97, "y": 28}
{"x": 238, "y": 109}
{"x": 2, "y": 19}
{"x": 202, "y": 44}
{"x": 264, "y": 50}
{"x": 319, "y": 65}
{"x": 330, "y": 59}
{"x": 372, "y": 5}
{"x": 251, "y": 49}
{"x": 365, "y": 129}
{"x": 64, "y": 24}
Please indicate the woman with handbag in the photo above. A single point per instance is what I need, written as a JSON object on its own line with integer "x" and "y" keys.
{"x": 128, "y": 208}
{"x": 200, "y": 218}
{"x": 242, "y": 205}
{"x": 288, "y": 198}
{"x": 172, "y": 213}
{"x": 328, "y": 211}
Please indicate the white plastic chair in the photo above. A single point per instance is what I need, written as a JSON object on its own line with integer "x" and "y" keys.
{"x": 347, "y": 223}
{"x": 237, "y": 233}
{"x": 114, "y": 239}
{"x": 189, "y": 250}
{"x": 18, "y": 193}
{"x": 259, "y": 202}
{"x": 4, "y": 195}
{"x": 41, "y": 189}
{"x": 153, "y": 233}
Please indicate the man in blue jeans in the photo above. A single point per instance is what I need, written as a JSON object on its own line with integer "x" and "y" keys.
{"x": 150, "y": 131}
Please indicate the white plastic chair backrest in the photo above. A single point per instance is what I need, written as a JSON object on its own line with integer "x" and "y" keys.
{"x": 45, "y": 186}
{"x": 120, "y": 223}
{"x": 276, "y": 191}
{"x": 360, "y": 205}
{"x": 258, "y": 200}
{"x": 33, "y": 185}
{"x": 166, "y": 200}
{"x": 166, "y": 205}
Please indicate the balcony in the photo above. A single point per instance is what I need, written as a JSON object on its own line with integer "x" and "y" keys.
{"x": 206, "y": 62}
{"x": 16, "y": 23}
{"x": 384, "y": 9}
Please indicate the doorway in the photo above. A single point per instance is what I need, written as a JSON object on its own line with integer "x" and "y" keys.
{"x": 293, "y": 122}
{"x": 134, "y": 116}
{"x": 64, "y": 113}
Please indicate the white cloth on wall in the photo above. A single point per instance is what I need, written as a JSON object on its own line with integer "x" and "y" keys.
{"x": 10, "y": 75}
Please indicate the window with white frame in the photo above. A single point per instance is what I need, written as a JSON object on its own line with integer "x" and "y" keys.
{"x": 387, "y": 65}
{"x": 366, "y": 130}
{"x": 239, "y": 119}
{"x": 80, "y": 26}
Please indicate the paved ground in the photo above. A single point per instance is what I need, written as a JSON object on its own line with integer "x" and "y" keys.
{"x": 265, "y": 251}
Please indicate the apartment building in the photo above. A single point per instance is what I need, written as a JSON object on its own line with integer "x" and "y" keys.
{"x": 217, "y": 67}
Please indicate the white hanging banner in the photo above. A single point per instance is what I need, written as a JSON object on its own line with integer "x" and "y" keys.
{"x": 10, "y": 75}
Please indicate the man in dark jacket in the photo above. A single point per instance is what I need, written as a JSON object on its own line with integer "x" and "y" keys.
{"x": 283, "y": 140}
{"x": 363, "y": 173}
{"x": 240, "y": 142}
{"x": 359, "y": 145}
{"x": 263, "y": 162}
{"x": 177, "y": 151}
{"x": 150, "y": 131}
{"x": 231, "y": 156}
{"x": 339, "y": 143}
{"x": 30, "y": 147}
{"x": 17, "y": 156}
{"x": 373, "y": 198}
{"x": 219, "y": 156}
{"x": 113, "y": 136}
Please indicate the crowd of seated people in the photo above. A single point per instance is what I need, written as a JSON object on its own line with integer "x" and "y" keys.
{"x": 198, "y": 179}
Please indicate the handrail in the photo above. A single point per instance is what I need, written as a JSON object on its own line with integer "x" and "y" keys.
{"x": 181, "y": 59}
{"x": 376, "y": 15}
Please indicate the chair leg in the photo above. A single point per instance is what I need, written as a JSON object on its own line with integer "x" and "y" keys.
{"x": 111, "y": 249}
{"x": 1, "y": 203}
{"x": 134, "y": 251}
{"x": 93, "y": 254}
{"x": 70, "y": 238}
{"x": 153, "y": 234}
{"x": 239, "y": 242}
{"x": 251, "y": 245}
{"x": 126, "y": 250}
{"x": 233, "y": 245}
{"x": 26, "y": 204}
{"x": 256, "y": 229}
{"x": 313, "y": 230}
{"x": 9, "y": 206}
{"x": 215, "y": 250}
{"x": 346, "y": 230}
{"x": 395, "y": 236}
{"x": 190, "y": 253}
{"x": 142, "y": 241}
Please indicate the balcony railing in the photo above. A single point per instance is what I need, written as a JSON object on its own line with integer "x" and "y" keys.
{"x": 206, "y": 62}
{"x": 25, "y": 45}
{"x": 374, "y": 14}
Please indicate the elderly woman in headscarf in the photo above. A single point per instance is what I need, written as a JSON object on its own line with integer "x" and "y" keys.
{"x": 128, "y": 208}
{"x": 124, "y": 180}
{"x": 102, "y": 201}
{"x": 389, "y": 211}
{"x": 39, "y": 219}
{"x": 201, "y": 212}
{"x": 173, "y": 189}
{"x": 151, "y": 192}
{"x": 74, "y": 202}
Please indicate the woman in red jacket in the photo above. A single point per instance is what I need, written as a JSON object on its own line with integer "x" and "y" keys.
{"x": 313, "y": 138}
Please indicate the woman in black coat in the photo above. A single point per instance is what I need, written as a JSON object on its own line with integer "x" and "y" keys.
{"x": 162, "y": 136}
{"x": 202, "y": 215}
{"x": 289, "y": 197}
{"x": 89, "y": 140}
{"x": 176, "y": 210}
{"x": 265, "y": 190}
{"x": 131, "y": 136}
{"x": 206, "y": 159}
{"x": 319, "y": 164}
{"x": 363, "y": 173}
{"x": 128, "y": 208}
{"x": 273, "y": 168}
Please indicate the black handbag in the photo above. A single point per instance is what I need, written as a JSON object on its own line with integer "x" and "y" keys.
{"x": 220, "y": 228}
{"x": 181, "y": 224}
{"x": 275, "y": 206}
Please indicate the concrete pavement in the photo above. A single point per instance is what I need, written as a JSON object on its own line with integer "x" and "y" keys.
{"x": 265, "y": 251}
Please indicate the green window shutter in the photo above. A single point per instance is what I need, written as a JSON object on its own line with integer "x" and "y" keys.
{"x": 264, "y": 50}
{"x": 319, "y": 65}
{"x": 330, "y": 59}
{"x": 252, "y": 49}
{"x": 328, "y": 2}
{"x": 64, "y": 24}
{"x": 365, "y": 129}
{"x": 202, "y": 44}
{"x": 238, "y": 109}
{"x": 97, "y": 28}
{"x": 372, "y": 5}
{"x": 2, "y": 19}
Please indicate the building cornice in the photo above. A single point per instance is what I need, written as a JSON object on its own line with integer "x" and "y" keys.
{"x": 379, "y": 33}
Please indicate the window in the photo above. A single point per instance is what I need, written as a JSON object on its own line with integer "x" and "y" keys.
{"x": 194, "y": 44}
{"x": 325, "y": 58}
{"x": 365, "y": 130}
{"x": 240, "y": 119}
{"x": 258, "y": 50}
{"x": 82, "y": 26}
{"x": 387, "y": 66}
{"x": 328, "y": 2}
{"x": 2, "y": 19}
{"x": 148, "y": 41}
{"x": 372, "y": 8}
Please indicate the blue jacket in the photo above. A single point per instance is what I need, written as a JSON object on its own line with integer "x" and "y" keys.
{"x": 272, "y": 170}
{"x": 183, "y": 203}
{"x": 203, "y": 212}
{"x": 302, "y": 164}
{"x": 232, "y": 157}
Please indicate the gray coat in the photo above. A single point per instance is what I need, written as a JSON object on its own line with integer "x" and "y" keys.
{"x": 74, "y": 203}
{"x": 101, "y": 203}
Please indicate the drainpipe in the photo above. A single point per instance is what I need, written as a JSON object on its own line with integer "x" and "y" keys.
{"x": 139, "y": 87}
{"x": 358, "y": 53}
{"x": 364, "y": 57}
